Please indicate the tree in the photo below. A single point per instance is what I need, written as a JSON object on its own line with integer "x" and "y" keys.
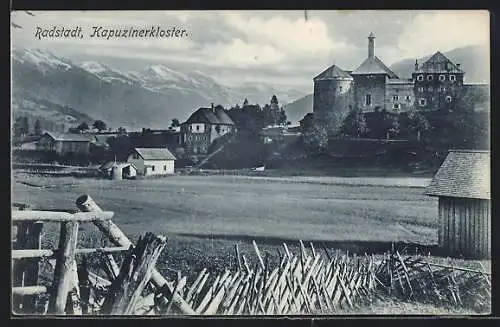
{"x": 354, "y": 123}
{"x": 37, "y": 128}
{"x": 21, "y": 127}
{"x": 83, "y": 127}
{"x": 316, "y": 138}
{"x": 175, "y": 123}
{"x": 121, "y": 130}
{"x": 274, "y": 100}
{"x": 245, "y": 102}
{"x": 99, "y": 125}
{"x": 417, "y": 123}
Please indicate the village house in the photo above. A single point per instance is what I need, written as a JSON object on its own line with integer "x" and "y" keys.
{"x": 203, "y": 127}
{"x": 64, "y": 143}
{"x": 152, "y": 161}
{"x": 462, "y": 185}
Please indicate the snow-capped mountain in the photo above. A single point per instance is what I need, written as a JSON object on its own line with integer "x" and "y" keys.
{"x": 148, "y": 97}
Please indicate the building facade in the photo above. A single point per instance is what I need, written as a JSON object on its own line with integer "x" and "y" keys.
{"x": 436, "y": 84}
{"x": 152, "y": 161}
{"x": 202, "y": 128}
{"x": 64, "y": 143}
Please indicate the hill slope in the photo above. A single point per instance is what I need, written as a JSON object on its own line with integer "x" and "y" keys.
{"x": 150, "y": 97}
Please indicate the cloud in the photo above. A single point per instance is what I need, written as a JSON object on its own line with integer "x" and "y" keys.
{"x": 241, "y": 54}
{"x": 428, "y": 32}
{"x": 293, "y": 36}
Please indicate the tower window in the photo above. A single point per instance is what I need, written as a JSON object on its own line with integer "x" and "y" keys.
{"x": 197, "y": 127}
{"x": 443, "y": 89}
{"x": 448, "y": 98}
{"x": 429, "y": 77}
{"x": 368, "y": 100}
{"x": 340, "y": 88}
{"x": 395, "y": 98}
{"x": 452, "y": 78}
{"x": 408, "y": 98}
{"x": 422, "y": 102}
{"x": 420, "y": 89}
{"x": 442, "y": 77}
{"x": 395, "y": 106}
{"x": 420, "y": 77}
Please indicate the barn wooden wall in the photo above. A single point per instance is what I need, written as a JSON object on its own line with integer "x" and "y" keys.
{"x": 465, "y": 227}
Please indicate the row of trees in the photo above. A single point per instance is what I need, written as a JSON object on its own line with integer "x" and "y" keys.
{"x": 84, "y": 126}
{"x": 21, "y": 128}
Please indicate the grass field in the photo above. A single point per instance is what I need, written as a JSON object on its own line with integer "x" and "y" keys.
{"x": 308, "y": 208}
{"x": 204, "y": 216}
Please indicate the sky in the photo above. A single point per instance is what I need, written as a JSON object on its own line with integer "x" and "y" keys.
{"x": 285, "y": 47}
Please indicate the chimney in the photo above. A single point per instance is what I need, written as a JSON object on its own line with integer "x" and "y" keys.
{"x": 416, "y": 64}
{"x": 371, "y": 46}
{"x": 458, "y": 66}
{"x": 213, "y": 107}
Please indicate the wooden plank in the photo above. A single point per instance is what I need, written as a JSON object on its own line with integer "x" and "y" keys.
{"x": 55, "y": 216}
{"x": 488, "y": 219}
{"x": 47, "y": 253}
{"x": 129, "y": 285}
{"x": 440, "y": 222}
{"x": 29, "y": 290}
{"x": 456, "y": 219}
{"x": 62, "y": 283}
{"x": 446, "y": 227}
{"x": 26, "y": 270}
{"x": 87, "y": 204}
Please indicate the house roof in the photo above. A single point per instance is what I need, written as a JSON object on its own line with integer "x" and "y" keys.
{"x": 333, "y": 72}
{"x": 463, "y": 174}
{"x": 223, "y": 117}
{"x": 438, "y": 63}
{"x": 155, "y": 153}
{"x": 374, "y": 65}
{"x": 110, "y": 164}
{"x": 207, "y": 115}
{"x": 71, "y": 137}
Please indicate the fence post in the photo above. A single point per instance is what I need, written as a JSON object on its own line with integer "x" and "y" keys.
{"x": 25, "y": 271}
{"x": 64, "y": 273}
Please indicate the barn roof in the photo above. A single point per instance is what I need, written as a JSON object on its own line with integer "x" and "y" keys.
{"x": 155, "y": 153}
{"x": 72, "y": 137}
{"x": 438, "y": 63}
{"x": 373, "y": 65}
{"x": 463, "y": 174}
{"x": 333, "y": 72}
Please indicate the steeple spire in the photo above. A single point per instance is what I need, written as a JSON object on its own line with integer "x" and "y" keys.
{"x": 371, "y": 45}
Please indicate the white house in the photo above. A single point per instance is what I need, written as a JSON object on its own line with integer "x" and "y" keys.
{"x": 152, "y": 161}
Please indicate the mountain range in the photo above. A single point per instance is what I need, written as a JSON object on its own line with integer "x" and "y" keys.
{"x": 474, "y": 60}
{"x": 64, "y": 92}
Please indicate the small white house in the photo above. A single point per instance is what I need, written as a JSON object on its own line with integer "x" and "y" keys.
{"x": 152, "y": 161}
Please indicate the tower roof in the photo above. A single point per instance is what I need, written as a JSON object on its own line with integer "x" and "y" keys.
{"x": 371, "y": 35}
{"x": 439, "y": 63}
{"x": 333, "y": 72}
{"x": 373, "y": 65}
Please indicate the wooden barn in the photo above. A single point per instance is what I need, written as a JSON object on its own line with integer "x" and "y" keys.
{"x": 462, "y": 184}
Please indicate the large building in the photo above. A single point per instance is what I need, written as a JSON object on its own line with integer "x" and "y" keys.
{"x": 203, "y": 127}
{"x": 435, "y": 84}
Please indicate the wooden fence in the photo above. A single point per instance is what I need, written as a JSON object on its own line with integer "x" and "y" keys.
{"x": 308, "y": 282}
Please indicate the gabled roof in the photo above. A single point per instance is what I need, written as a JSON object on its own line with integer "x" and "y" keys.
{"x": 438, "y": 63}
{"x": 463, "y": 174}
{"x": 71, "y": 137}
{"x": 333, "y": 72}
{"x": 207, "y": 115}
{"x": 374, "y": 66}
{"x": 223, "y": 117}
{"x": 155, "y": 153}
